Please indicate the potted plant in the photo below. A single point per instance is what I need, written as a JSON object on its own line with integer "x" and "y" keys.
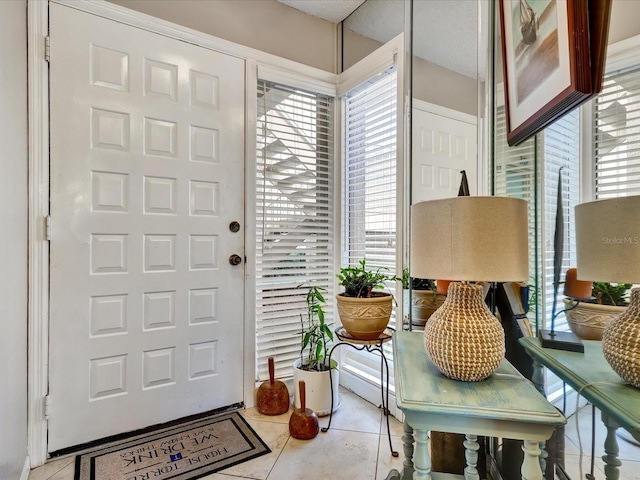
{"x": 364, "y": 311}
{"x": 590, "y": 317}
{"x": 313, "y": 364}
{"x": 423, "y": 296}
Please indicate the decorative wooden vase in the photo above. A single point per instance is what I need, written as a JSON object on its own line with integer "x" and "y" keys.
{"x": 303, "y": 423}
{"x": 621, "y": 342}
{"x": 464, "y": 340}
{"x": 272, "y": 397}
{"x": 365, "y": 318}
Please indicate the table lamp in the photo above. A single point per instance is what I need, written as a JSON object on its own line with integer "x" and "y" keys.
{"x": 468, "y": 239}
{"x": 608, "y": 250}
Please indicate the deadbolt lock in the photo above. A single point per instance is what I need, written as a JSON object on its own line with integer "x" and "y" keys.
{"x": 234, "y": 227}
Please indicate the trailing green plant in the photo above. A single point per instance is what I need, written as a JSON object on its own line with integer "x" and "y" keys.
{"x": 359, "y": 282}
{"x": 316, "y": 334}
{"x": 605, "y": 293}
{"x": 534, "y": 295}
{"x": 417, "y": 283}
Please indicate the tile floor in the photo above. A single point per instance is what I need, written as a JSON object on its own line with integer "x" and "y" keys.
{"x": 356, "y": 447}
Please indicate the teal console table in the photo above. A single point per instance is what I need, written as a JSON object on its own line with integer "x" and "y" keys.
{"x": 504, "y": 405}
{"x": 591, "y": 376}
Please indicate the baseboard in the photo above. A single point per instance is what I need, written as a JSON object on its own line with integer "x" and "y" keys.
{"x": 26, "y": 469}
{"x": 367, "y": 390}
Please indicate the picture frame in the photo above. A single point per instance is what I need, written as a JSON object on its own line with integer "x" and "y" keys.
{"x": 546, "y": 57}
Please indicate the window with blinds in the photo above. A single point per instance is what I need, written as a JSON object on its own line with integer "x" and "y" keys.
{"x": 616, "y": 135}
{"x": 515, "y": 176}
{"x": 370, "y": 152}
{"x": 559, "y": 146}
{"x": 370, "y": 172}
{"x": 530, "y": 171}
{"x": 294, "y": 217}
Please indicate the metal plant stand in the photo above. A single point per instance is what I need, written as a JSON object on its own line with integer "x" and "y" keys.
{"x": 370, "y": 345}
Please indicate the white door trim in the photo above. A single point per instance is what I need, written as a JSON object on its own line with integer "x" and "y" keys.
{"x": 38, "y": 246}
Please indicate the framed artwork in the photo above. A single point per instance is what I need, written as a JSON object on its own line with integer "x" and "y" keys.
{"x": 546, "y": 61}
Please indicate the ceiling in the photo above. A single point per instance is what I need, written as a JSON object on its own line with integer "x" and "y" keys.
{"x": 333, "y": 11}
{"x": 445, "y": 31}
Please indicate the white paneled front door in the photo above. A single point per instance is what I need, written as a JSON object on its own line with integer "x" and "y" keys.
{"x": 444, "y": 143}
{"x": 147, "y": 162}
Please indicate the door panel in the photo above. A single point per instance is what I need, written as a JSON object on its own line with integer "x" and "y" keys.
{"x": 147, "y": 162}
{"x": 441, "y": 148}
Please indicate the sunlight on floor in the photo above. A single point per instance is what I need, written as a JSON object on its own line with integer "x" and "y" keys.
{"x": 356, "y": 447}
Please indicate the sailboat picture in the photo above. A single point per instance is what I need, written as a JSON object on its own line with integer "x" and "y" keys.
{"x": 546, "y": 60}
{"x": 536, "y": 49}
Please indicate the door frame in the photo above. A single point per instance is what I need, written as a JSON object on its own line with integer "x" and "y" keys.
{"x": 38, "y": 185}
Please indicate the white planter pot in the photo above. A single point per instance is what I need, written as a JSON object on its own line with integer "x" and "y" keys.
{"x": 317, "y": 388}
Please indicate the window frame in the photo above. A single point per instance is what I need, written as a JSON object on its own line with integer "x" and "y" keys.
{"x": 365, "y": 380}
{"x": 295, "y": 75}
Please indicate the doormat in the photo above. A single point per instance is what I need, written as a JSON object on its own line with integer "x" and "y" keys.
{"x": 181, "y": 452}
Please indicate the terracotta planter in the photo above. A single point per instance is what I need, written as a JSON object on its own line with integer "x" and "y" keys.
{"x": 318, "y": 388}
{"x": 365, "y": 318}
{"x": 588, "y": 320}
{"x": 423, "y": 304}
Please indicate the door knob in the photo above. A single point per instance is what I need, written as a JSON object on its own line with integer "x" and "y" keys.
{"x": 235, "y": 259}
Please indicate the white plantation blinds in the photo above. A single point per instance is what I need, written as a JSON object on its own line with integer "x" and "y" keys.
{"x": 295, "y": 216}
{"x": 515, "y": 176}
{"x": 370, "y": 149}
{"x": 616, "y": 134}
{"x": 559, "y": 146}
{"x": 530, "y": 171}
{"x": 516, "y": 173}
{"x": 370, "y": 173}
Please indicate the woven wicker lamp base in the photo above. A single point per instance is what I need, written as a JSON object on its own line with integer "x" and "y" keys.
{"x": 464, "y": 340}
{"x": 621, "y": 342}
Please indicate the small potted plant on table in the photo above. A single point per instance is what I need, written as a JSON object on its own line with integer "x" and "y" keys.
{"x": 425, "y": 298}
{"x": 364, "y": 311}
{"x": 590, "y": 317}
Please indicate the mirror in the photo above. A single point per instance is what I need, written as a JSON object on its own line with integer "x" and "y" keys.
{"x": 448, "y": 80}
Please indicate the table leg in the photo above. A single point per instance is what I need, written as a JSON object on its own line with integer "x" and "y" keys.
{"x": 611, "y": 450}
{"x": 538, "y": 376}
{"x": 407, "y": 442}
{"x": 384, "y": 367}
{"x": 471, "y": 448}
{"x": 407, "y": 470}
{"x": 531, "y": 463}
{"x": 543, "y": 456}
{"x": 326, "y": 429}
{"x": 422, "y": 460}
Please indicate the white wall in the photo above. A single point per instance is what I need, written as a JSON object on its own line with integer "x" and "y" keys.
{"x": 265, "y": 25}
{"x": 13, "y": 238}
{"x": 624, "y": 20}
